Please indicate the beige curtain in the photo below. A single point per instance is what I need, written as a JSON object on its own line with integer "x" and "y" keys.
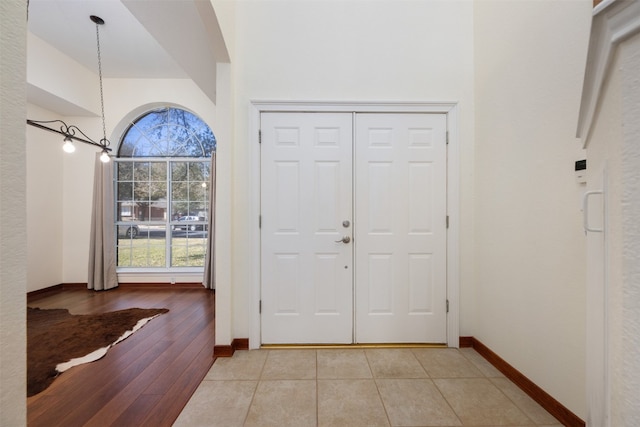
{"x": 102, "y": 249}
{"x": 209, "y": 280}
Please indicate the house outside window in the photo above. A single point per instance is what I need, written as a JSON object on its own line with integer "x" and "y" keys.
{"x": 162, "y": 179}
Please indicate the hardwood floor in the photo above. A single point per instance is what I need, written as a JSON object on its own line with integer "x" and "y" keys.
{"x": 146, "y": 379}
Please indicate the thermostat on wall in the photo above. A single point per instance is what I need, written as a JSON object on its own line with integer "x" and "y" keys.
{"x": 581, "y": 171}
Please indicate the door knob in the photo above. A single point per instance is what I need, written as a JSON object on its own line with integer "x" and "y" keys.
{"x": 345, "y": 239}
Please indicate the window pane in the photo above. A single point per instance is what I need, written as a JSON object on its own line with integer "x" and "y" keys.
{"x": 168, "y": 132}
{"x": 198, "y": 210}
{"x": 148, "y": 249}
{"x": 179, "y": 171}
{"x": 199, "y": 171}
{"x": 125, "y": 211}
{"x": 158, "y": 191}
{"x": 179, "y": 191}
{"x": 125, "y": 191}
{"x": 179, "y": 209}
{"x": 124, "y": 256}
{"x": 197, "y": 191}
{"x": 125, "y": 171}
{"x": 159, "y": 171}
{"x": 141, "y": 191}
{"x": 158, "y": 211}
{"x": 142, "y": 212}
{"x": 188, "y": 249}
{"x": 141, "y": 171}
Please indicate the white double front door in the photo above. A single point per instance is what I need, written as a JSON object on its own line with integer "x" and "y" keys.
{"x": 353, "y": 228}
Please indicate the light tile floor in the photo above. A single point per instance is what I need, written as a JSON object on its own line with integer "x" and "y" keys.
{"x": 359, "y": 387}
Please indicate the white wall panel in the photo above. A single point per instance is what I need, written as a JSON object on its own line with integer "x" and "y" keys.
{"x": 287, "y": 272}
{"x": 421, "y": 280}
{"x": 420, "y": 138}
{"x": 328, "y": 137}
{"x": 326, "y": 283}
{"x": 287, "y": 196}
{"x": 421, "y": 186}
{"x": 379, "y": 200}
{"x": 327, "y": 210}
{"x": 287, "y": 137}
{"x": 379, "y": 287}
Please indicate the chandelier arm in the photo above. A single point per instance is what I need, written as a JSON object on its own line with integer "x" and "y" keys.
{"x": 68, "y": 132}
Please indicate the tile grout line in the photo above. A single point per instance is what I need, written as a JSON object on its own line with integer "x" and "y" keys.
{"x": 255, "y": 390}
{"x": 439, "y": 391}
{"x": 317, "y": 393}
{"x": 490, "y": 379}
{"x": 374, "y": 378}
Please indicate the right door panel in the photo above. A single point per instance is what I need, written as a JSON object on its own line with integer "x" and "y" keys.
{"x": 400, "y": 228}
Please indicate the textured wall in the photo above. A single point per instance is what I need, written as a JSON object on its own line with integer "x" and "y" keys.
{"x": 12, "y": 213}
{"x": 614, "y": 146}
{"x": 626, "y": 361}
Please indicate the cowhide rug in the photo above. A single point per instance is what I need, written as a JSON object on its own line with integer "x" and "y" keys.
{"x": 58, "y": 340}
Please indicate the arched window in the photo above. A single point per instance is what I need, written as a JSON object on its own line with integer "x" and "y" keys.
{"x": 162, "y": 191}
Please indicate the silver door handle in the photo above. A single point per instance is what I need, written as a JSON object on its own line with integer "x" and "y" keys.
{"x": 345, "y": 239}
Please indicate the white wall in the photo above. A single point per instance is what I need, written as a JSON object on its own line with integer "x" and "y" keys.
{"x": 44, "y": 170}
{"x": 62, "y": 84}
{"x": 346, "y": 51}
{"x": 529, "y": 245}
{"x": 13, "y": 244}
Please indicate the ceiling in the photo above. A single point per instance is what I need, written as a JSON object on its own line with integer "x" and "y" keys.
{"x": 140, "y": 38}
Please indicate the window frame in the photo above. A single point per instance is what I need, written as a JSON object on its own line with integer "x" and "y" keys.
{"x": 168, "y": 223}
{"x": 176, "y": 273}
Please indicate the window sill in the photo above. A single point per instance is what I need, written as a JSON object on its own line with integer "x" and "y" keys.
{"x": 164, "y": 276}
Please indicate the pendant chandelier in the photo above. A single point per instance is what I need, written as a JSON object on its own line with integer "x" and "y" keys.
{"x": 72, "y": 133}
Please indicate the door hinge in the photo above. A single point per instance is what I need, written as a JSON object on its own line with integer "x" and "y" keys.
{"x": 259, "y": 221}
{"x": 260, "y": 137}
{"x": 447, "y": 306}
{"x": 447, "y": 133}
{"x": 260, "y": 307}
{"x": 447, "y": 221}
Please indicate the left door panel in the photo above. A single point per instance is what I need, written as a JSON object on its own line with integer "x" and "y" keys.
{"x": 306, "y": 208}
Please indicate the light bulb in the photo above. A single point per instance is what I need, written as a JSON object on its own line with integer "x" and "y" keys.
{"x": 104, "y": 157}
{"x": 68, "y": 146}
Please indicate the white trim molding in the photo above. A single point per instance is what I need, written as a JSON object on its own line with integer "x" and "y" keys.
{"x": 453, "y": 192}
{"x": 613, "y": 22}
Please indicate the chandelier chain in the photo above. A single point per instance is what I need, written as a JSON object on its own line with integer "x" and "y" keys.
{"x": 104, "y": 128}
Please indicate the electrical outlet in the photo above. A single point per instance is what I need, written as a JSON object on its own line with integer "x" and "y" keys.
{"x": 173, "y": 280}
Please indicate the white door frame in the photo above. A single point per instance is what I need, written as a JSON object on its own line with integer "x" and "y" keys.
{"x": 453, "y": 193}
